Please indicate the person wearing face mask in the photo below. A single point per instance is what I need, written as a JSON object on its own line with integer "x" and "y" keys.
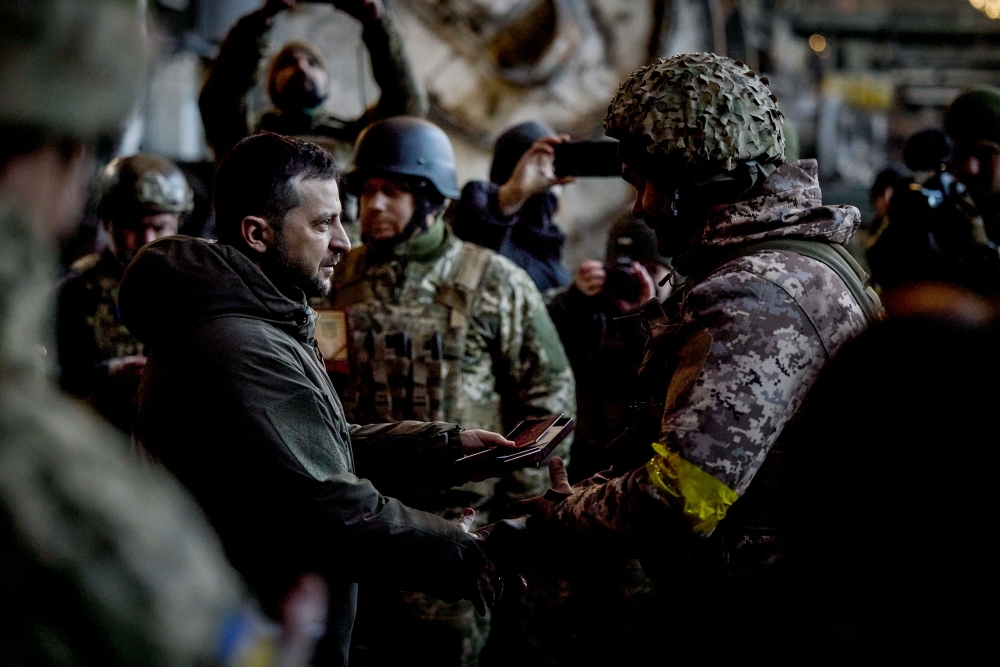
{"x": 441, "y": 330}
{"x": 143, "y": 199}
{"x": 512, "y": 213}
{"x": 298, "y": 82}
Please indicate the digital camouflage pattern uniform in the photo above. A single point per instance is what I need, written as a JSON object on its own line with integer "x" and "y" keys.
{"x": 729, "y": 358}
{"x": 103, "y": 562}
{"x": 507, "y": 364}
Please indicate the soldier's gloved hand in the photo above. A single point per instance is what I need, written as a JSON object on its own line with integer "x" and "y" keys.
{"x": 477, "y": 439}
{"x": 487, "y": 589}
{"x": 505, "y": 543}
{"x": 540, "y": 508}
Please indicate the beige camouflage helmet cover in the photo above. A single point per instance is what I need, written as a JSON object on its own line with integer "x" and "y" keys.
{"x": 700, "y": 109}
{"x": 70, "y": 67}
{"x": 143, "y": 184}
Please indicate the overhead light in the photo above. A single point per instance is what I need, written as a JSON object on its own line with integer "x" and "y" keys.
{"x": 989, "y": 7}
{"x": 817, "y": 42}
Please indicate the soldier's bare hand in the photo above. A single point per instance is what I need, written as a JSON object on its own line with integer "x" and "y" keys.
{"x": 477, "y": 439}
{"x": 590, "y": 277}
{"x": 540, "y": 507}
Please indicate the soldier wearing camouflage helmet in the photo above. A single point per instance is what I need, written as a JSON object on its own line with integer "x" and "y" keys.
{"x": 770, "y": 295}
{"x": 142, "y": 199}
{"x": 105, "y": 561}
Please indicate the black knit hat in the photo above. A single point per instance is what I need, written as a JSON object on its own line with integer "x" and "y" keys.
{"x": 512, "y": 144}
{"x": 974, "y": 115}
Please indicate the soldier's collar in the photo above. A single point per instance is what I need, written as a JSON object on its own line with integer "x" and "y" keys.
{"x": 425, "y": 246}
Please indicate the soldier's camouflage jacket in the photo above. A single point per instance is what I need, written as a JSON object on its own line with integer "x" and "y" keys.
{"x": 729, "y": 360}
{"x": 508, "y": 359}
{"x": 223, "y": 100}
{"x": 104, "y": 562}
{"x": 90, "y": 333}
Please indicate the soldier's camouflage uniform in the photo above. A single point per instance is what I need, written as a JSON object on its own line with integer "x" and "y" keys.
{"x": 511, "y": 366}
{"x": 90, "y": 333}
{"x": 729, "y": 359}
{"x": 104, "y": 562}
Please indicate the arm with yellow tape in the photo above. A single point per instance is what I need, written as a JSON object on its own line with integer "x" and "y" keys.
{"x": 735, "y": 372}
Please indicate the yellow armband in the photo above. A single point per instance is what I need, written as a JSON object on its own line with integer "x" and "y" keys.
{"x": 705, "y": 499}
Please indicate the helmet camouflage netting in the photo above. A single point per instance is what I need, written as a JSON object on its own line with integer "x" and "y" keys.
{"x": 700, "y": 109}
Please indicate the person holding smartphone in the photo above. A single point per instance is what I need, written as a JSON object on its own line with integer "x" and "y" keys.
{"x": 513, "y": 212}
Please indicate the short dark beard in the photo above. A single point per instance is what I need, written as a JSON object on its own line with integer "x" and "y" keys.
{"x": 289, "y": 278}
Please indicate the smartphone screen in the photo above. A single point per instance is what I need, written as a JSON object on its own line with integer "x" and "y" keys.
{"x": 588, "y": 158}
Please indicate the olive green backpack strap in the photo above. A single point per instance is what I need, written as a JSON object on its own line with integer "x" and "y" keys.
{"x": 836, "y": 257}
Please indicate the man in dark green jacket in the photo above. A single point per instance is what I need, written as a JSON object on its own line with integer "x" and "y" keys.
{"x": 236, "y": 401}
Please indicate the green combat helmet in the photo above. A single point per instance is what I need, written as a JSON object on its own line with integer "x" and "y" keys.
{"x": 143, "y": 184}
{"x": 698, "y": 110}
{"x": 69, "y": 67}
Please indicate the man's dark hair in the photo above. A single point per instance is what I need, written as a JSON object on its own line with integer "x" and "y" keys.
{"x": 255, "y": 178}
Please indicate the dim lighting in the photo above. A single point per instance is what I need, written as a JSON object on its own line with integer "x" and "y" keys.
{"x": 818, "y": 42}
{"x": 989, "y": 7}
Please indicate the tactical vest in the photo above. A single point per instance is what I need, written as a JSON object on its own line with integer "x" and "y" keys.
{"x": 406, "y": 360}
{"x": 748, "y": 538}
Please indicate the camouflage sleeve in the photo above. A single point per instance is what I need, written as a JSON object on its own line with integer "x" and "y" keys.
{"x": 532, "y": 372}
{"x": 233, "y": 75}
{"x": 742, "y": 361}
{"x": 401, "y": 94}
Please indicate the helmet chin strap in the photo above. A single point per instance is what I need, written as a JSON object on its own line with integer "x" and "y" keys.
{"x": 418, "y": 223}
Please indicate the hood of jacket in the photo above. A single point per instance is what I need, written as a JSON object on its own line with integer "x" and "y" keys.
{"x": 790, "y": 206}
{"x": 177, "y": 282}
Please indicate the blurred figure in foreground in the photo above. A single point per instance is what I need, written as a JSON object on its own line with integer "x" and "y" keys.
{"x": 143, "y": 198}
{"x": 870, "y": 577}
{"x": 943, "y": 227}
{"x": 605, "y": 347}
{"x": 298, "y": 82}
{"x": 103, "y": 562}
{"x": 513, "y": 213}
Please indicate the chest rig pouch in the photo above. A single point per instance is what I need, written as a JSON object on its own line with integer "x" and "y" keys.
{"x": 406, "y": 358}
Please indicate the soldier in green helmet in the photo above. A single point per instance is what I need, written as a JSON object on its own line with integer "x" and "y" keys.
{"x": 105, "y": 562}
{"x": 142, "y": 199}
{"x": 770, "y": 295}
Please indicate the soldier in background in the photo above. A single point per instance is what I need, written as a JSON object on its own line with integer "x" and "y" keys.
{"x": 769, "y": 297}
{"x": 143, "y": 198}
{"x": 441, "y": 329}
{"x": 298, "y": 82}
{"x": 104, "y": 561}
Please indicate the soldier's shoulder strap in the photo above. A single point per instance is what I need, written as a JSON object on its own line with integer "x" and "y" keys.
{"x": 461, "y": 288}
{"x": 834, "y": 256}
{"x": 352, "y": 288}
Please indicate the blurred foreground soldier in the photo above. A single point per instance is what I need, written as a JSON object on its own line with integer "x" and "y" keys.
{"x": 512, "y": 213}
{"x": 298, "y": 82}
{"x": 770, "y": 295}
{"x": 934, "y": 231}
{"x": 441, "y": 329}
{"x": 862, "y": 581}
{"x": 103, "y": 562}
{"x": 143, "y": 199}
{"x": 235, "y": 401}
{"x": 603, "y": 345}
